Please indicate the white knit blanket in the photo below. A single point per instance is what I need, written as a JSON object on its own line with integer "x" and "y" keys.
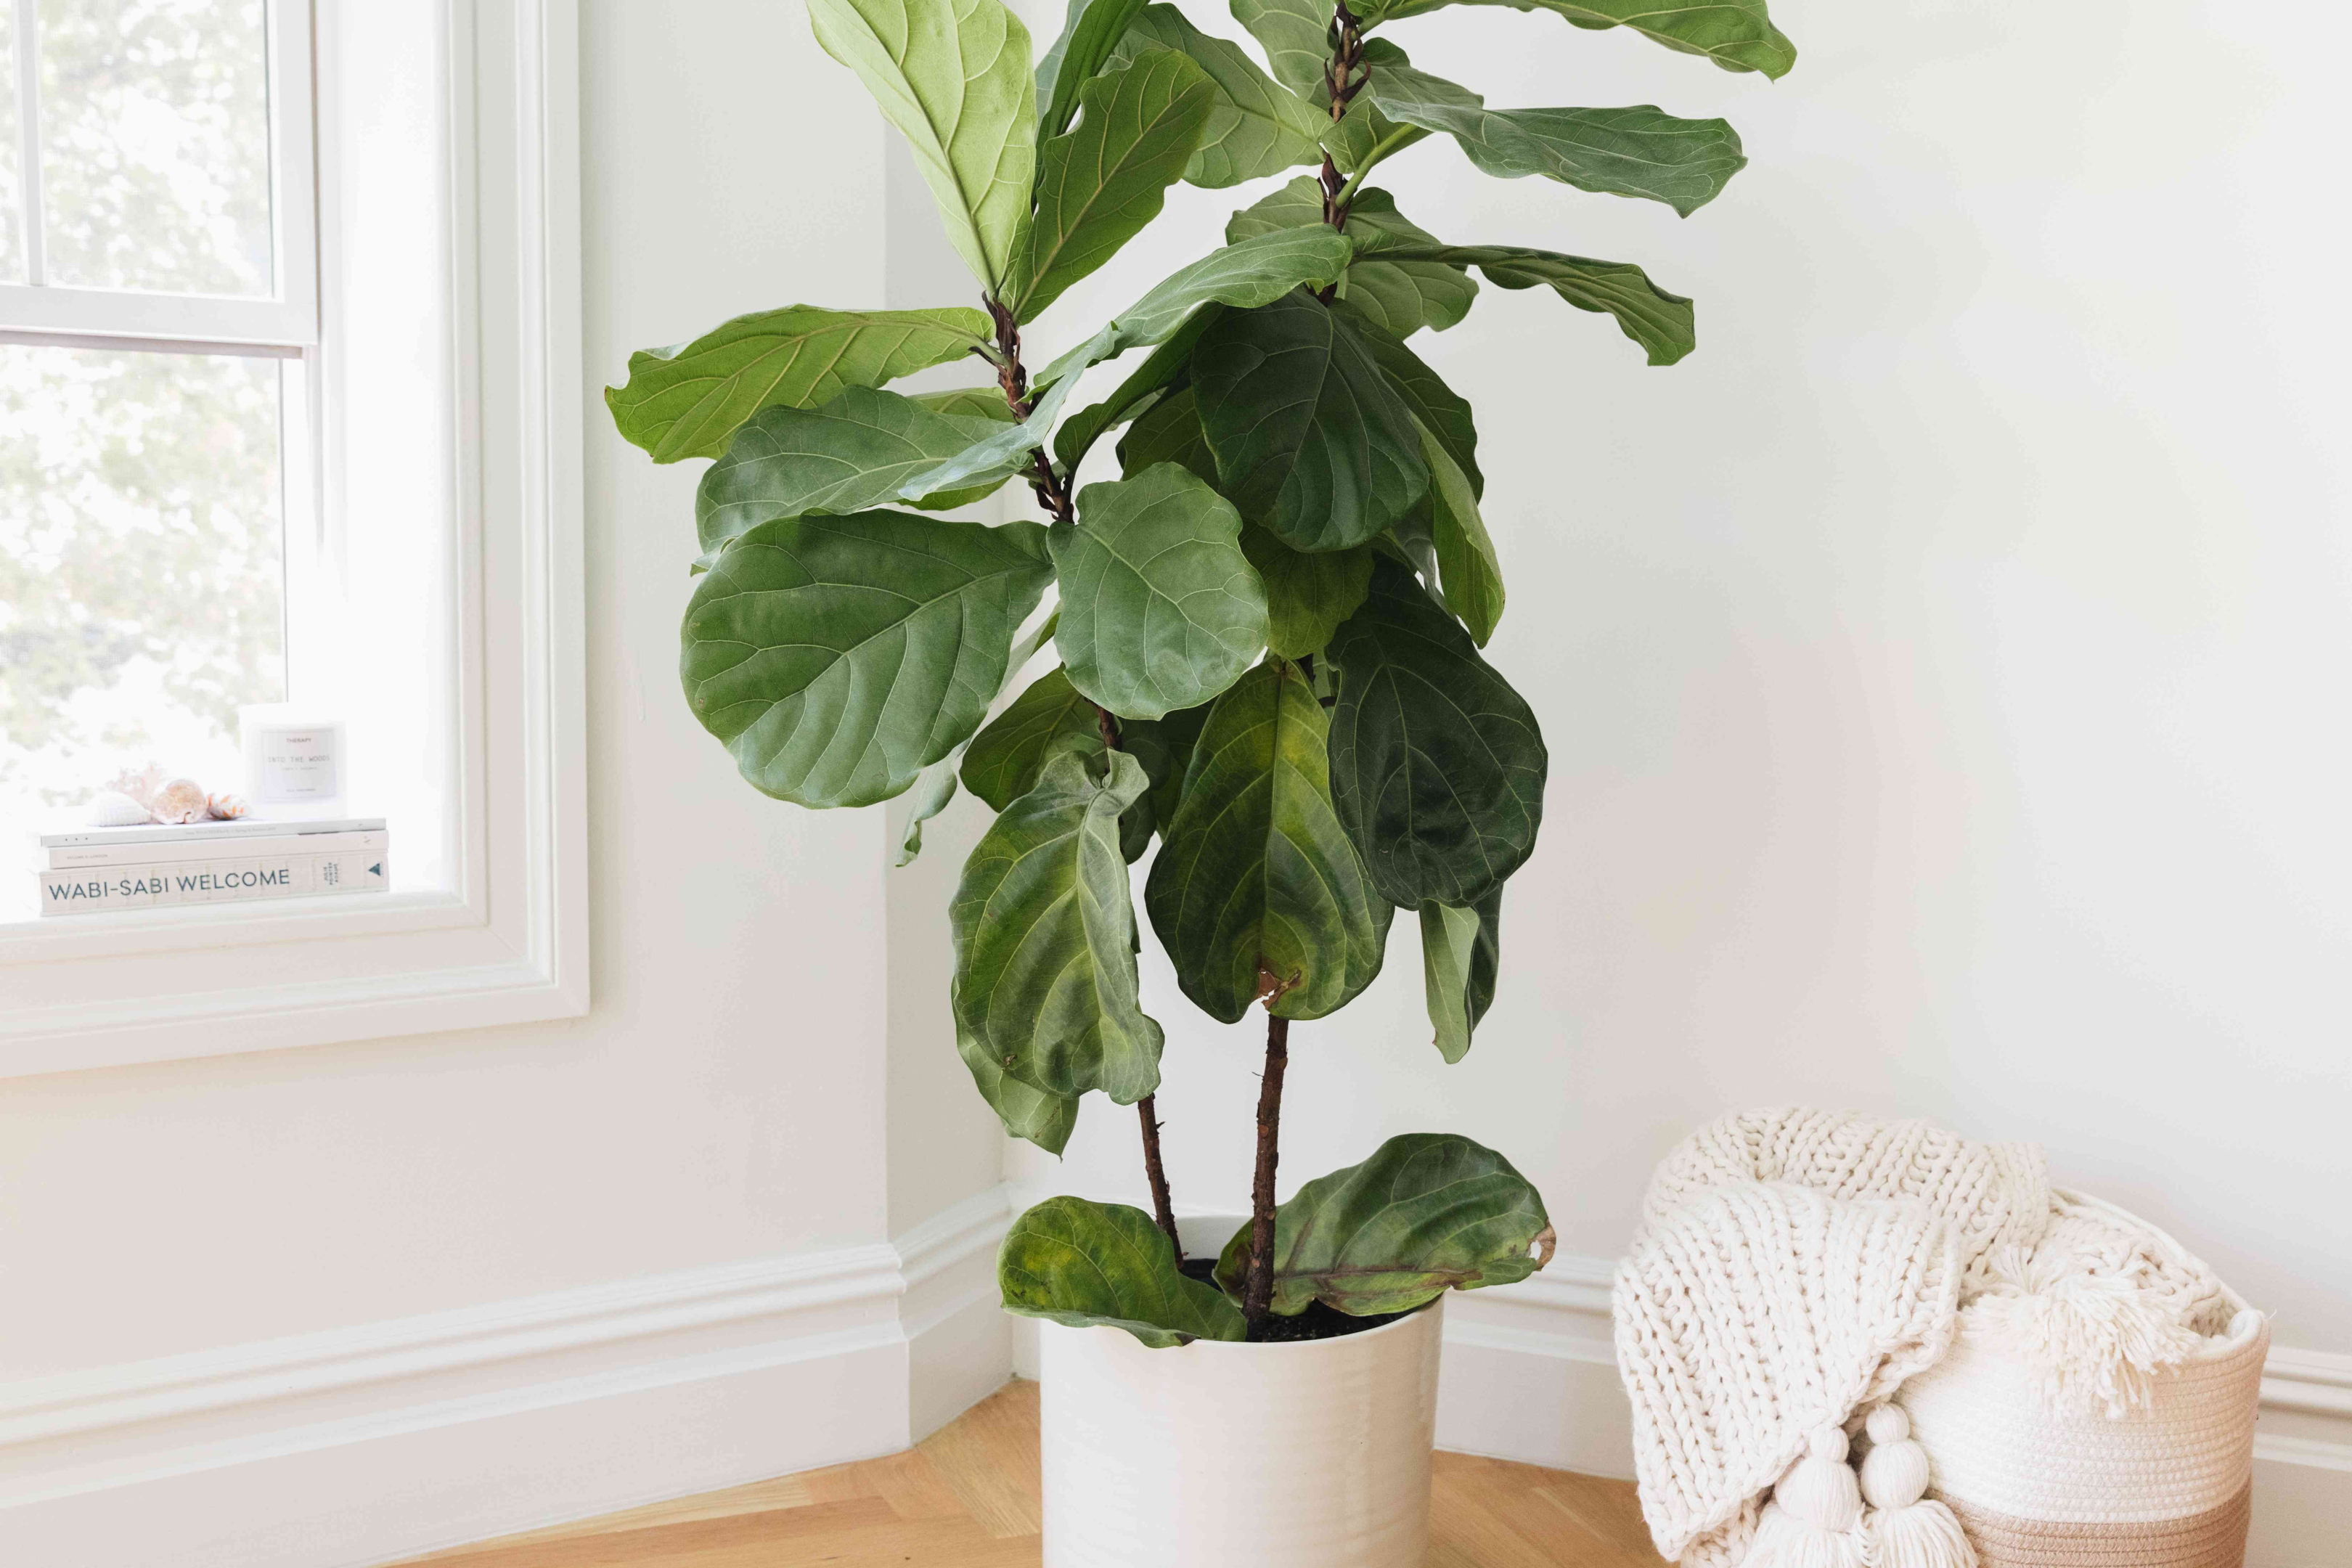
{"x": 1795, "y": 1267}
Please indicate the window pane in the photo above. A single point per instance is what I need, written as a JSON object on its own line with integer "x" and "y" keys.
{"x": 155, "y": 144}
{"x": 141, "y": 587}
{"x": 12, "y": 199}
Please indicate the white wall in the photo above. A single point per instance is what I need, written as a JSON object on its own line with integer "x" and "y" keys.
{"x": 1943, "y": 669}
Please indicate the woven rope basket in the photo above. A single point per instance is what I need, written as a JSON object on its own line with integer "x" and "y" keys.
{"x": 2166, "y": 1485}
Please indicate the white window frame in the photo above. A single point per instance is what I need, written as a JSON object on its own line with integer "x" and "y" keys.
{"x": 509, "y": 943}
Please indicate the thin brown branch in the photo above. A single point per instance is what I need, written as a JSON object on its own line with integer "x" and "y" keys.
{"x": 1257, "y": 1297}
{"x": 1156, "y": 1174}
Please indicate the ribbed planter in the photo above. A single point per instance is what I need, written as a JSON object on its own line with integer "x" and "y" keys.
{"x": 1280, "y": 1456}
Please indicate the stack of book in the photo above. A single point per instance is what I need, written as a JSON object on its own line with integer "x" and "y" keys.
{"x": 91, "y": 870}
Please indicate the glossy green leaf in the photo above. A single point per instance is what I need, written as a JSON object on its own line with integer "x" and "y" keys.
{"x": 1460, "y": 950}
{"x": 936, "y": 785}
{"x": 1437, "y": 765}
{"x": 1101, "y": 182}
{"x": 1092, "y": 1265}
{"x": 1256, "y": 127}
{"x": 1296, "y": 35}
{"x": 1169, "y": 432}
{"x": 1661, "y": 322}
{"x": 1441, "y": 412}
{"x": 1400, "y": 296}
{"x": 1737, "y": 34}
{"x": 1027, "y": 1111}
{"x": 1243, "y": 275}
{"x": 1167, "y": 368}
{"x": 1310, "y": 439}
{"x": 837, "y": 656}
{"x": 1091, "y": 31}
{"x": 852, "y": 453}
{"x": 1164, "y": 746}
{"x": 1466, "y": 562}
{"x": 1636, "y": 151}
{"x": 1002, "y": 762}
{"x": 953, "y": 75}
{"x": 1308, "y": 593}
{"x": 1046, "y": 936}
{"x": 1428, "y": 1212}
{"x": 689, "y": 400}
{"x": 1159, "y": 607}
{"x": 1258, "y": 891}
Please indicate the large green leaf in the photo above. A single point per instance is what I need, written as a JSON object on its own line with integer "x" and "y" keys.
{"x": 1091, "y": 30}
{"x": 1243, "y": 275}
{"x": 1169, "y": 432}
{"x": 852, "y": 453}
{"x": 1257, "y": 890}
{"x": 936, "y": 785}
{"x": 1466, "y": 562}
{"x": 1636, "y": 151}
{"x": 1044, "y": 935}
{"x": 689, "y": 400}
{"x": 1311, "y": 440}
{"x": 1443, "y": 412}
{"x": 1400, "y": 296}
{"x": 1027, "y": 1111}
{"x": 1099, "y": 183}
{"x": 1256, "y": 127}
{"x": 953, "y": 75}
{"x": 1107, "y": 1266}
{"x": 1296, "y": 35}
{"x": 837, "y": 656}
{"x": 1661, "y": 322}
{"x": 1308, "y": 593}
{"x": 1165, "y": 747}
{"x": 1735, "y": 34}
{"x": 1437, "y": 765}
{"x": 1002, "y": 762}
{"x": 1159, "y": 607}
{"x": 1163, "y": 371}
{"x": 1428, "y": 1212}
{"x": 1460, "y": 950}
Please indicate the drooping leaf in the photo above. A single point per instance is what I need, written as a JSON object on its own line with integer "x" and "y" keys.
{"x": 1242, "y": 275}
{"x": 837, "y": 656}
{"x": 1027, "y": 1111}
{"x": 1107, "y": 1266}
{"x": 1100, "y": 183}
{"x": 1428, "y": 1212}
{"x": 1308, "y": 594}
{"x": 1258, "y": 891}
{"x": 968, "y": 403}
{"x": 1465, "y": 552}
{"x": 1296, "y": 35}
{"x": 689, "y": 400}
{"x": 1255, "y": 128}
{"x": 1159, "y": 607}
{"x": 1441, "y": 412}
{"x": 1169, "y": 432}
{"x": 1735, "y": 34}
{"x": 1437, "y": 765}
{"x": 1460, "y": 950}
{"x": 1090, "y": 30}
{"x": 953, "y": 77}
{"x": 1165, "y": 369}
{"x": 1636, "y": 151}
{"x": 1661, "y": 322}
{"x": 1044, "y": 935}
{"x": 1002, "y": 762}
{"x": 852, "y": 453}
{"x": 936, "y": 785}
{"x": 1310, "y": 439}
{"x": 1401, "y": 295}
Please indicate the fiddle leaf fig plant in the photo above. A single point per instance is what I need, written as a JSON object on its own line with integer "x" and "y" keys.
{"x": 1269, "y": 602}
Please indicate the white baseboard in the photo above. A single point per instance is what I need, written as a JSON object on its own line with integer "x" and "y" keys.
{"x": 384, "y": 1440}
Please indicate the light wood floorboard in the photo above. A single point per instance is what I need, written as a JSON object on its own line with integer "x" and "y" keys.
{"x": 967, "y": 1498}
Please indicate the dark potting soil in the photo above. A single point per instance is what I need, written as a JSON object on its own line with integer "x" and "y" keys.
{"x": 1317, "y": 1322}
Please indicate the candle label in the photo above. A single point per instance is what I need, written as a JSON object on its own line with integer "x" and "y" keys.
{"x": 298, "y": 765}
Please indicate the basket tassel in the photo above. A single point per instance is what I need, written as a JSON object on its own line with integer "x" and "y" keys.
{"x": 1814, "y": 1519}
{"x": 1908, "y": 1529}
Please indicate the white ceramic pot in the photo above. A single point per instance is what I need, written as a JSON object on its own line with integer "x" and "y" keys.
{"x": 1280, "y": 1456}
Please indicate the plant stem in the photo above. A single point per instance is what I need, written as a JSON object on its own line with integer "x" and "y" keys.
{"x": 1257, "y": 1299}
{"x": 1341, "y": 79}
{"x": 1162, "y": 1210}
{"x": 1054, "y": 494}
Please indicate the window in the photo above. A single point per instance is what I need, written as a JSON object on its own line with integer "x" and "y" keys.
{"x": 290, "y": 339}
{"x": 159, "y": 361}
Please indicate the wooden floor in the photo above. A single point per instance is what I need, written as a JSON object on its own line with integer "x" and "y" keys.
{"x": 967, "y": 1498}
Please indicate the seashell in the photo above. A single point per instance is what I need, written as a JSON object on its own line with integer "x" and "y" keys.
{"x": 112, "y": 808}
{"x": 225, "y": 807}
{"x": 181, "y": 800}
{"x": 140, "y": 786}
